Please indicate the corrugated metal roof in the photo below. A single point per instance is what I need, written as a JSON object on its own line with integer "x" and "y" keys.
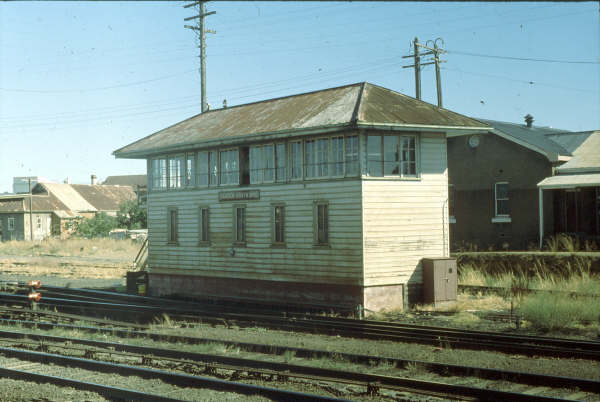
{"x": 586, "y": 156}
{"x": 534, "y": 136}
{"x": 68, "y": 196}
{"x": 570, "y": 140}
{"x": 105, "y": 198}
{"x": 334, "y": 107}
{"x": 11, "y": 204}
{"x": 570, "y": 181}
{"x": 126, "y": 180}
{"x": 39, "y": 203}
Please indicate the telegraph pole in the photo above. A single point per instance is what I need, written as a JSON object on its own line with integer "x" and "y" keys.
{"x": 435, "y": 51}
{"x": 199, "y": 28}
{"x": 30, "y": 211}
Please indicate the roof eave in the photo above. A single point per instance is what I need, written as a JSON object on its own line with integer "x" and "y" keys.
{"x": 240, "y": 139}
{"x": 550, "y": 155}
{"x": 453, "y": 130}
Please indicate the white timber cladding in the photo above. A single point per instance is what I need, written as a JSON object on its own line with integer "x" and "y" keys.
{"x": 406, "y": 220}
{"x": 340, "y": 262}
{"x": 382, "y": 210}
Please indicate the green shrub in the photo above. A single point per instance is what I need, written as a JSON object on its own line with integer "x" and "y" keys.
{"x": 132, "y": 216}
{"x": 98, "y": 226}
{"x": 548, "y": 312}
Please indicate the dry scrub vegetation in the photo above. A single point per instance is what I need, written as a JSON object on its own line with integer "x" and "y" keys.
{"x": 73, "y": 247}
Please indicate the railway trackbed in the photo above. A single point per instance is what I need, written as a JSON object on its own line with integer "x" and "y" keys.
{"x": 236, "y": 368}
{"x": 144, "y": 308}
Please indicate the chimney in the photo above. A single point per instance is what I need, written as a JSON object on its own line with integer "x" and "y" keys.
{"x": 67, "y": 180}
{"x": 528, "y": 120}
{"x": 94, "y": 180}
{"x": 224, "y": 103}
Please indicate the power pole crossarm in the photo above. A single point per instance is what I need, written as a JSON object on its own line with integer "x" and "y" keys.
{"x": 201, "y": 32}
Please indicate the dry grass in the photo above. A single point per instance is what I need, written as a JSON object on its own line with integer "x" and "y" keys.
{"x": 465, "y": 303}
{"x": 105, "y": 248}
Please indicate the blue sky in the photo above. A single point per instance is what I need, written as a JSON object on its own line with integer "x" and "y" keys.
{"x": 81, "y": 79}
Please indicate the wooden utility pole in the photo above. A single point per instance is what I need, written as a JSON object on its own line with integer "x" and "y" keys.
{"x": 202, "y": 45}
{"x": 435, "y": 51}
{"x": 30, "y": 211}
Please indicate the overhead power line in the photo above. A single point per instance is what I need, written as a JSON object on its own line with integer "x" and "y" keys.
{"x": 523, "y": 58}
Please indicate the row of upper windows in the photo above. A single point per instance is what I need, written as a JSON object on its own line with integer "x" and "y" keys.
{"x": 278, "y": 226}
{"x": 329, "y": 157}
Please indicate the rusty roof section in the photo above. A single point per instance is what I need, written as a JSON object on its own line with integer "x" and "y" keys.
{"x": 39, "y": 203}
{"x": 342, "y": 107}
{"x": 105, "y": 198}
{"x": 132, "y": 180}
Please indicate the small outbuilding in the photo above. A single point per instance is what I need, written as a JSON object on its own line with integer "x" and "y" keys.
{"x": 330, "y": 197}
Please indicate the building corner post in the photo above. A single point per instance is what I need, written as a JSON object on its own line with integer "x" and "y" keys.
{"x": 541, "y": 212}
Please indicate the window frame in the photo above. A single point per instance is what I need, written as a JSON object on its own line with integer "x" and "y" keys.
{"x": 190, "y": 172}
{"x": 451, "y": 203}
{"x": 236, "y": 235}
{"x": 400, "y": 155}
{"x": 274, "y": 234}
{"x": 317, "y": 240}
{"x": 158, "y": 175}
{"x": 346, "y": 154}
{"x": 203, "y": 225}
{"x": 262, "y": 168}
{"x": 10, "y": 224}
{"x": 234, "y": 173}
{"x": 172, "y": 227}
{"x": 180, "y": 174}
{"x": 38, "y": 222}
{"x": 496, "y": 199}
{"x": 291, "y": 160}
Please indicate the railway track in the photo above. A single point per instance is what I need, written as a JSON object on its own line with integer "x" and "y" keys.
{"x": 150, "y": 308}
{"x": 371, "y": 383}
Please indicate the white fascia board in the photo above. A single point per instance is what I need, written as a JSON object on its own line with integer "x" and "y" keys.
{"x": 423, "y": 127}
{"x": 551, "y": 156}
{"x": 564, "y": 158}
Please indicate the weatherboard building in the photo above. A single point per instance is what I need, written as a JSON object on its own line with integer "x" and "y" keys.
{"x": 330, "y": 197}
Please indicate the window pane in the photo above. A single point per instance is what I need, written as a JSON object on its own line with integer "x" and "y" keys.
{"x": 190, "y": 170}
{"x": 214, "y": 168}
{"x": 281, "y": 159}
{"x": 296, "y": 160}
{"x": 268, "y": 163}
{"x": 337, "y": 156}
{"x": 409, "y": 160}
{"x": 229, "y": 167}
{"x": 159, "y": 173}
{"x": 173, "y": 225}
{"x": 390, "y": 155}
{"x": 240, "y": 224}
{"x": 374, "y": 159}
{"x": 310, "y": 157}
{"x": 203, "y": 224}
{"x": 175, "y": 171}
{"x": 256, "y": 165}
{"x": 278, "y": 224}
{"x": 502, "y": 207}
{"x": 202, "y": 179}
{"x": 502, "y": 191}
{"x": 322, "y": 223}
{"x": 351, "y": 156}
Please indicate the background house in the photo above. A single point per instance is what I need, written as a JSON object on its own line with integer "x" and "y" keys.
{"x": 54, "y": 206}
{"x": 493, "y": 185}
{"x": 331, "y": 197}
{"x": 575, "y": 188}
{"x": 137, "y": 181}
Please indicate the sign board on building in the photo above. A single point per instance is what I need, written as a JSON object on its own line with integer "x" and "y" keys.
{"x": 239, "y": 195}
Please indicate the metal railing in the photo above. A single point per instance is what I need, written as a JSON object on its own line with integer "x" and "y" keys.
{"x": 141, "y": 258}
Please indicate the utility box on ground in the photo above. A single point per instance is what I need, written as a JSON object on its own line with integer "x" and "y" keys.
{"x": 440, "y": 283}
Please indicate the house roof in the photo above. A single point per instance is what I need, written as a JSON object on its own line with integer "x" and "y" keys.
{"x": 87, "y": 198}
{"x": 356, "y": 105}
{"x": 105, "y": 198}
{"x": 570, "y": 181}
{"x": 126, "y": 180}
{"x": 586, "y": 157}
{"x": 39, "y": 203}
{"x": 535, "y": 138}
{"x": 569, "y": 140}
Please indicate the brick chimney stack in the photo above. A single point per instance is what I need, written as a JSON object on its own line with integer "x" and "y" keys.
{"x": 94, "y": 180}
{"x": 529, "y": 120}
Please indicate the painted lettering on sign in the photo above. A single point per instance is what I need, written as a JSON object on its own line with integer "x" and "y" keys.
{"x": 239, "y": 195}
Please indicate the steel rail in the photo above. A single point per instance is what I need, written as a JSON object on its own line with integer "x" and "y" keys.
{"x": 494, "y": 374}
{"x": 172, "y": 378}
{"x": 105, "y": 390}
{"x": 478, "y": 340}
{"x": 71, "y": 317}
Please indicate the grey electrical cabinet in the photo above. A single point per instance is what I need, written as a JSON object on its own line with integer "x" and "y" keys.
{"x": 440, "y": 281}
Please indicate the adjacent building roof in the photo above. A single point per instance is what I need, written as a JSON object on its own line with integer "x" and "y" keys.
{"x": 356, "y": 105}
{"x": 535, "y": 138}
{"x": 586, "y": 157}
{"x": 126, "y": 180}
{"x": 85, "y": 197}
{"x": 570, "y": 181}
{"x": 39, "y": 203}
